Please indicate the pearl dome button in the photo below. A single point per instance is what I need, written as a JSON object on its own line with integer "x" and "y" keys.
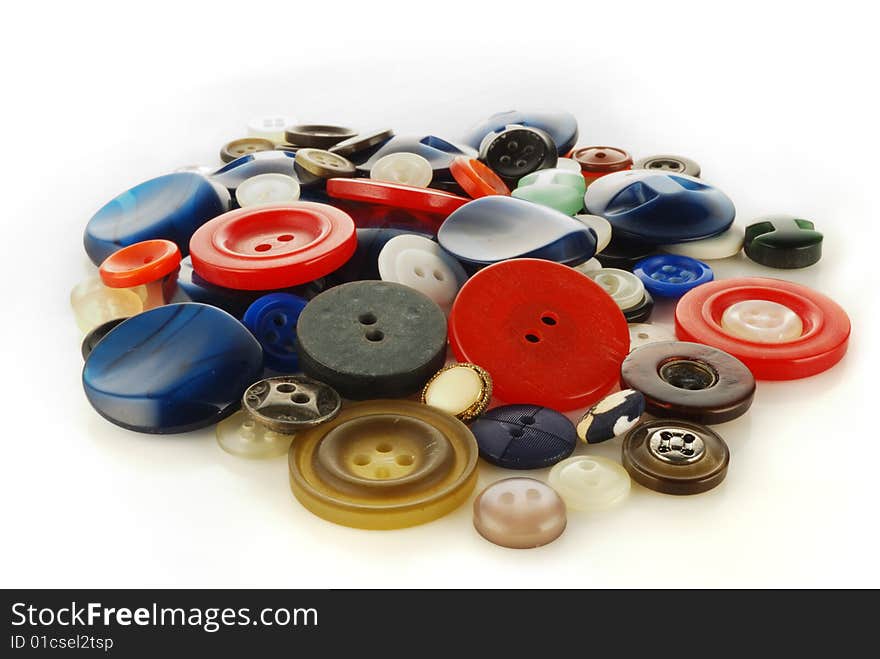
{"x": 590, "y": 483}
{"x": 267, "y": 189}
{"x": 404, "y": 168}
{"x": 519, "y": 513}
{"x": 762, "y": 321}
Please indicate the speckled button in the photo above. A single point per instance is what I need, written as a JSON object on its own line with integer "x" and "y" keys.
{"x": 519, "y": 513}
{"x": 237, "y": 148}
{"x": 668, "y": 163}
{"x": 614, "y": 415}
{"x": 462, "y": 390}
{"x": 524, "y": 436}
{"x": 421, "y": 263}
{"x": 590, "y": 483}
{"x": 240, "y": 435}
{"x": 783, "y": 241}
{"x": 672, "y": 275}
{"x": 517, "y": 151}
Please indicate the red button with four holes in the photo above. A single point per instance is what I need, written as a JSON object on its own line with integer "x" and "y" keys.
{"x": 547, "y": 334}
{"x": 426, "y": 200}
{"x": 780, "y": 330}
{"x": 477, "y": 179}
{"x": 269, "y": 247}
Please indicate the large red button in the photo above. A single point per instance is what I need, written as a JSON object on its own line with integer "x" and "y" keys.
{"x": 821, "y": 344}
{"x": 269, "y": 247}
{"x": 546, "y": 334}
{"x": 426, "y": 200}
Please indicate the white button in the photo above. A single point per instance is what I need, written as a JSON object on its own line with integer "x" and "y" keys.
{"x": 94, "y": 304}
{"x": 267, "y": 189}
{"x": 569, "y": 164}
{"x": 722, "y": 246}
{"x": 624, "y": 287}
{"x": 762, "y": 321}
{"x": 404, "y": 168}
{"x": 270, "y": 127}
{"x": 601, "y": 226}
{"x": 242, "y": 436}
{"x": 420, "y": 263}
{"x": 461, "y": 390}
{"x": 641, "y": 334}
{"x": 588, "y": 266}
{"x": 590, "y": 483}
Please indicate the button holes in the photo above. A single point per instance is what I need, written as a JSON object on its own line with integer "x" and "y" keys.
{"x": 263, "y": 247}
{"x": 506, "y": 498}
{"x": 404, "y": 460}
{"x": 279, "y": 319}
{"x": 527, "y": 420}
{"x": 521, "y": 163}
{"x": 643, "y": 335}
{"x": 504, "y": 160}
{"x": 512, "y": 145}
{"x": 438, "y": 275}
{"x": 600, "y": 154}
{"x": 587, "y": 465}
{"x": 382, "y": 473}
{"x": 285, "y": 238}
{"x": 148, "y": 259}
{"x": 300, "y": 398}
{"x": 285, "y": 388}
{"x": 272, "y": 336}
{"x": 533, "y": 338}
{"x": 516, "y": 432}
{"x": 367, "y": 319}
{"x": 248, "y": 424}
{"x": 532, "y": 494}
{"x": 375, "y": 335}
{"x": 549, "y": 319}
{"x": 384, "y": 447}
{"x": 361, "y": 460}
{"x": 419, "y": 272}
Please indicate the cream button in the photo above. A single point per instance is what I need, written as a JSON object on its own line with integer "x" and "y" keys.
{"x": 404, "y": 168}
{"x": 601, "y": 226}
{"x": 590, "y": 483}
{"x": 568, "y": 164}
{"x": 519, "y": 513}
{"x": 420, "y": 263}
{"x": 270, "y": 127}
{"x": 624, "y": 287}
{"x": 242, "y": 436}
{"x": 722, "y": 246}
{"x": 762, "y": 321}
{"x": 588, "y": 266}
{"x": 641, "y": 334}
{"x": 463, "y": 390}
{"x": 267, "y": 189}
{"x": 94, "y": 303}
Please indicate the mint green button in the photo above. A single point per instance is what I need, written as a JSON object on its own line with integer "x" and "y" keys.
{"x": 557, "y": 188}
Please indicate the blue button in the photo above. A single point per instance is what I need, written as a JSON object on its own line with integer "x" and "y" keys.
{"x": 670, "y": 275}
{"x": 272, "y": 319}
{"x": 562, "y": 127}
{"x": 524, "y": 436}
{"x": 172, "y": 369}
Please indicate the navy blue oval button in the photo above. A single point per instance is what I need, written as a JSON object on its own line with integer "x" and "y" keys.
{"x": 172, "y": 369}
{"x": 524, "y": 436}
{"x": 272, "y": 319}
{"x": 670, "y": 275}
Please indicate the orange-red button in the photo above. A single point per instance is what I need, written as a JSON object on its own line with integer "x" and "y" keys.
{"x": 140, "y": 263}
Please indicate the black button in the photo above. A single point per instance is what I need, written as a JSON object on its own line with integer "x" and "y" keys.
{"x": 517, "y": 151}
{"x": 317, "y": 136}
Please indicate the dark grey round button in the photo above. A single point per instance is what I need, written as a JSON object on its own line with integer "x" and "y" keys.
{"x": 317, "y": 136}
{"x": 289, "y": 403}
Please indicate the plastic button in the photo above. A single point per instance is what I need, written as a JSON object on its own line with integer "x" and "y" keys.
{"x": 476, "y": 179}
{"x": 384, "y": 464}
{"x": 556, "y": 188}
{"x": 624, "y": 254}
{"x": 364, "y": 264}
{"x": 667, "y": 163}
{"x": 624, "y": 287}
{"x": 269, "y": 247}
{"x": 238, "y": 148}
{"x": 404, "y": 168}
{"x": 233, "y": 174}
{"x": 437, "y": 151}
{"x": 317, "y": 136}
{"x": 270, "y": 127}
{"x": 823, "y": 343}
{"x": 762, "y": 321}
{"x": 675, "y": 457}
{"x": 267, "y": 189}
{"x": 597, "y": 161}
{"x": 600, "y": 226}
{"x": 641, "y": 334}
{"x": 272, "y": 320}
{"x": 147, "y": 264}
{"x": 94, "y": 303}
{"x": 559, "y": 346}
{"x": 92, "y": 338}
{"x": 614, "y": 415}
{"x": 569, "y": 165}
{"x": 588, "y": 266}
{"x": 783, "y": 241}
{"x": 689, "y": 381}
{"x": 722, "y": 246}
{"x": 462, "y": 390}
{"x": 362, "y": 146}
{"x": 590, "y": 483}
{"x": 517, "y": 151}
{"x": 561, "y": 126}
{"x": 519, "y": 513}
{"x": 672, "y": 275}
{"x": 289, "y": 403}
{"x": 393, "y": 194}
{"x": 524, "y": 436}
{"x": 420, "y": 263}
{"x": 314, "y": 166}
{"x": 240, "y": 435}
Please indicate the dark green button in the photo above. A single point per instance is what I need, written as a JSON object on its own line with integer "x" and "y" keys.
{"x": 783, "y": 242}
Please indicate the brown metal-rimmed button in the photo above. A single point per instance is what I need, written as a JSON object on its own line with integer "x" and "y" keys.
{"x": 602, "y": 160}
{"x": 317, "y": 136}
{"x": 312, "y": 165}
{"x": 675, "y": 457}
{"x": 244, "y": 146}
{"x": 669, "y": 163}
{"x": 361, "y": 142}
{"x": 689, "y": 381}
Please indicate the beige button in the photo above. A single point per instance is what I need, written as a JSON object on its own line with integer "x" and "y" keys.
{"x": 94, "y": 303}
{"x": 242, "y": 436}
{"x": 463, "y": 390}
{"x": 520, "y": 513}
{"x": 590, "y": 483}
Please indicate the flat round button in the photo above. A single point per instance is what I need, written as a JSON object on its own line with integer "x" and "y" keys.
{"x": 270, "y": 127}
{"x": 364, "y": 144}
{"x": 524, "y": 436}
{"x": 384, "y": 464}
{"x": 272, "y": 320}
{"x": 404, "y": 168}
{"x": 393, "y": 194}
{"x": 762, "y": 321}
{"x": 596, "y": 161}
{"x": 600, "y": 226}
{"x": 94, "y": 304}
{"x": 722, "y": 246}
{"x": 462, "y": 390}
{"x": 270, "y": 247}
{"x": 140, "y": 263}
{"x": 92, "y": 338}
{"x": 641, "y": 334}
{"x": 611, "y": 417}
{"x": 289, "y": 403}
{"x": 476, "y": 179}
{"x": 519, "y": 513}
{"x": 523, "y": 333}
{"x": 517, "y": 151}
{"x": 317, "y": 136}
{"x": 172, "y": 369}
{"x": 369, "y": 339}
{"x": 420, "y": 263}
{"x": 267, "y": 189}
{"x": 672, "y": 275}
{"x": 590, "y": 483}
{"x": 667, "y": 163}
{"x": 237, "y": 148}
{"x": 675, "y": 457}
{"x": 240, "y": 435}
{"x": 689, "y": 381}
{"x": 783, "y": 241}
{"x": 624, "y": 287}
{"x": 315, "y": 166}
{"x": 822, "y": 343}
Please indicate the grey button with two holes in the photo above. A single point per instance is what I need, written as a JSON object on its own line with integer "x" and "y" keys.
{"x": 289, "y": 403}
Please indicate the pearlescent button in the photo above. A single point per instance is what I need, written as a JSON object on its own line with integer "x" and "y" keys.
{"x": 590, "y": 483}
{"x": 462, "y": 390}
{"x": 722, "y": 246}
{"x": 614, "y": 415}
{"x": 404, "y": 168}
{"x": 520, "y": 513}
{"x": 624, "y": 287}
{"x": 600, "y": 226}
{"x": 270, "y": 127}
{"x": 242, "y": 436}
{"x": 762, "y": 321}
{"x": 267, "y": 189}
{"x": 94, "y": 303}
{"x": 289, "y": 403}
{"x": 641, "y": 334}
{"x": 420, "y": 263}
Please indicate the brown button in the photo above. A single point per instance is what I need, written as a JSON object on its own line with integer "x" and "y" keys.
{"x": 314, "y": 165}
{"x": 317, "y": 136}
{"x": 689, "y": 381}
{"x": 238, "y": 148}
{"x": 519, "y": 513}
{"x": 602, "y": 159}
{"x": 675, "y": 457}
{"x": 359, "y": 143}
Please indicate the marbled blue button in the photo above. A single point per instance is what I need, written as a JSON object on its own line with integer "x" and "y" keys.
{"x": 172, "y": 369}
{"x": 170, "y": 207}
{"x": 524, "y": 436}
{"x": 496, "y": 228}
{"x": 562, "y": 127}
{"x": 437, "y": 151}
{"x": 272, "y": 320}
{"x": 670, "y": 275}
{"x": 231, "y": 175}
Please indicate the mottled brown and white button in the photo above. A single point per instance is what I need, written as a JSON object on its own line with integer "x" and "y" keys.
{"x": 463, "y": 390}
{"x": 519, "y": 513}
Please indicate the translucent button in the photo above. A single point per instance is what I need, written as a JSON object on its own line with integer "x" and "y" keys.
{"x": 405, "y": 168}
{"x": 94, "y": 304}
{"x": 762, "y": 321}
{"x": 270, "y": 127}
{"x": 420, "y": 263}
{"x": 242, "y": 436}
{"x": 569, "y": 165}
{"x": 463, "y": 390}
{"x": 519, "y": 513}
{"x": 624, "y": 287}
{"x": 590, "y": 483}
{"x": 267, "y": 189}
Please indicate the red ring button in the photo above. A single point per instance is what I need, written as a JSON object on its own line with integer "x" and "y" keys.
{"x": 476, "y": 179}
{"x": 269, "y": 247}
{"x": 426, "y": 200}
{"x": 822, "y": 343}
{"x": 140, "y": 263}
{"x": 558, "y": 345}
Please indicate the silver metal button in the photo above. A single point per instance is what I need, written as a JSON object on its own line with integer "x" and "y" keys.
{"x": 288, "y": 403}
{"x": 676, "y": 445}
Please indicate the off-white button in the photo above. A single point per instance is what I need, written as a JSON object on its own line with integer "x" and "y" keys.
{"x": 601, "y": 226}
{"x": 94, "y": 304}
{"x": 270, "y": 127}
{"x": 624, "y": 287}
{"x": 590, "y": 483}
{"x": 462, "y": 390}
{"x": 267, "y": 189}
{"x": 242, "y": 436}
{"x": 641, "y": 334}
{"x": 404, "y": 168}
{"x": 420, "y": 263}
{"x": 722, "y": 246}
{"x": 762, "y": 321}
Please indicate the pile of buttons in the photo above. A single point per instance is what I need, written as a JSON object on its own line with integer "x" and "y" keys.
{"x": 387, "y": 311}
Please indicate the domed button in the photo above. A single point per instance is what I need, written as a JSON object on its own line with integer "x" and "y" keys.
{"x": 672, "y": 275}
{"x": 569, "y": 165}
{"x": 520, "y": 513}
{"x": 317, "y": 136}
{"x": 476, "y": 179}
{"x": 762, "y": 321}
{"x": 272, "y": 320}
{"x": 147, "y": 264}
{"x": 590, "y": 483}
{"x": 556, "y": 188}
{"x": 641, "y": 334}
{"x": 289, "y": 403}
{"x": 463, "y": 390}
{"x": 689, "y": 381}
{"x": 420, "y": 263}
{"x": 611, "y": 417}
{"x": 675, "y": 457}
{"x": 722, "y": 246}
{"x": 524, "y": 436}
{"x": 267, "y": 189}
{"x": 597, "y": 161}
{"x": 242, "y": 436}
{"x": 783, "y": 241}
{"x": 600, "y": 226}
{"x": 233, "y": 174}
{"x": 668, "y": 163}
{"x": 270, "y": 127}
{"x": 384, "y": 464}
{"x": 517, "y": 151}
{"x": 404, "y": 168}
{"x": 314, "y": 166}
{"x": 94, "y": 304}
{"x": 237, "y": 148}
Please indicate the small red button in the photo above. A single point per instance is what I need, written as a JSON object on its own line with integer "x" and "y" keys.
{"x": 140, "y": 263}
{"x": 426, "y": 200}
{"x": 547, "y": 334}
{"x": 269, "y": 247}
{"x": 477, "y": 179}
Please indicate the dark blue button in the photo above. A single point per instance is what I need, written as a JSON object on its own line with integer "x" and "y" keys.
{"x": 562, "y": 127}
{"x": 524, "y": 436}
{"x": 172, "y": 369}
{"x": 272, "y": 319}
{"x": 232, "y": 174}
{"x": 670, "y": 275}
{"x": 437, "y": 151}
{"x": 170, "y": 207}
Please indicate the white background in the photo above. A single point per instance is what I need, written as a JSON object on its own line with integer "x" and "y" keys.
{"x": 776, "y": 102}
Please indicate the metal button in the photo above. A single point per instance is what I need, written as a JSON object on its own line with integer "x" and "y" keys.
{"x": 289, "y": 403}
